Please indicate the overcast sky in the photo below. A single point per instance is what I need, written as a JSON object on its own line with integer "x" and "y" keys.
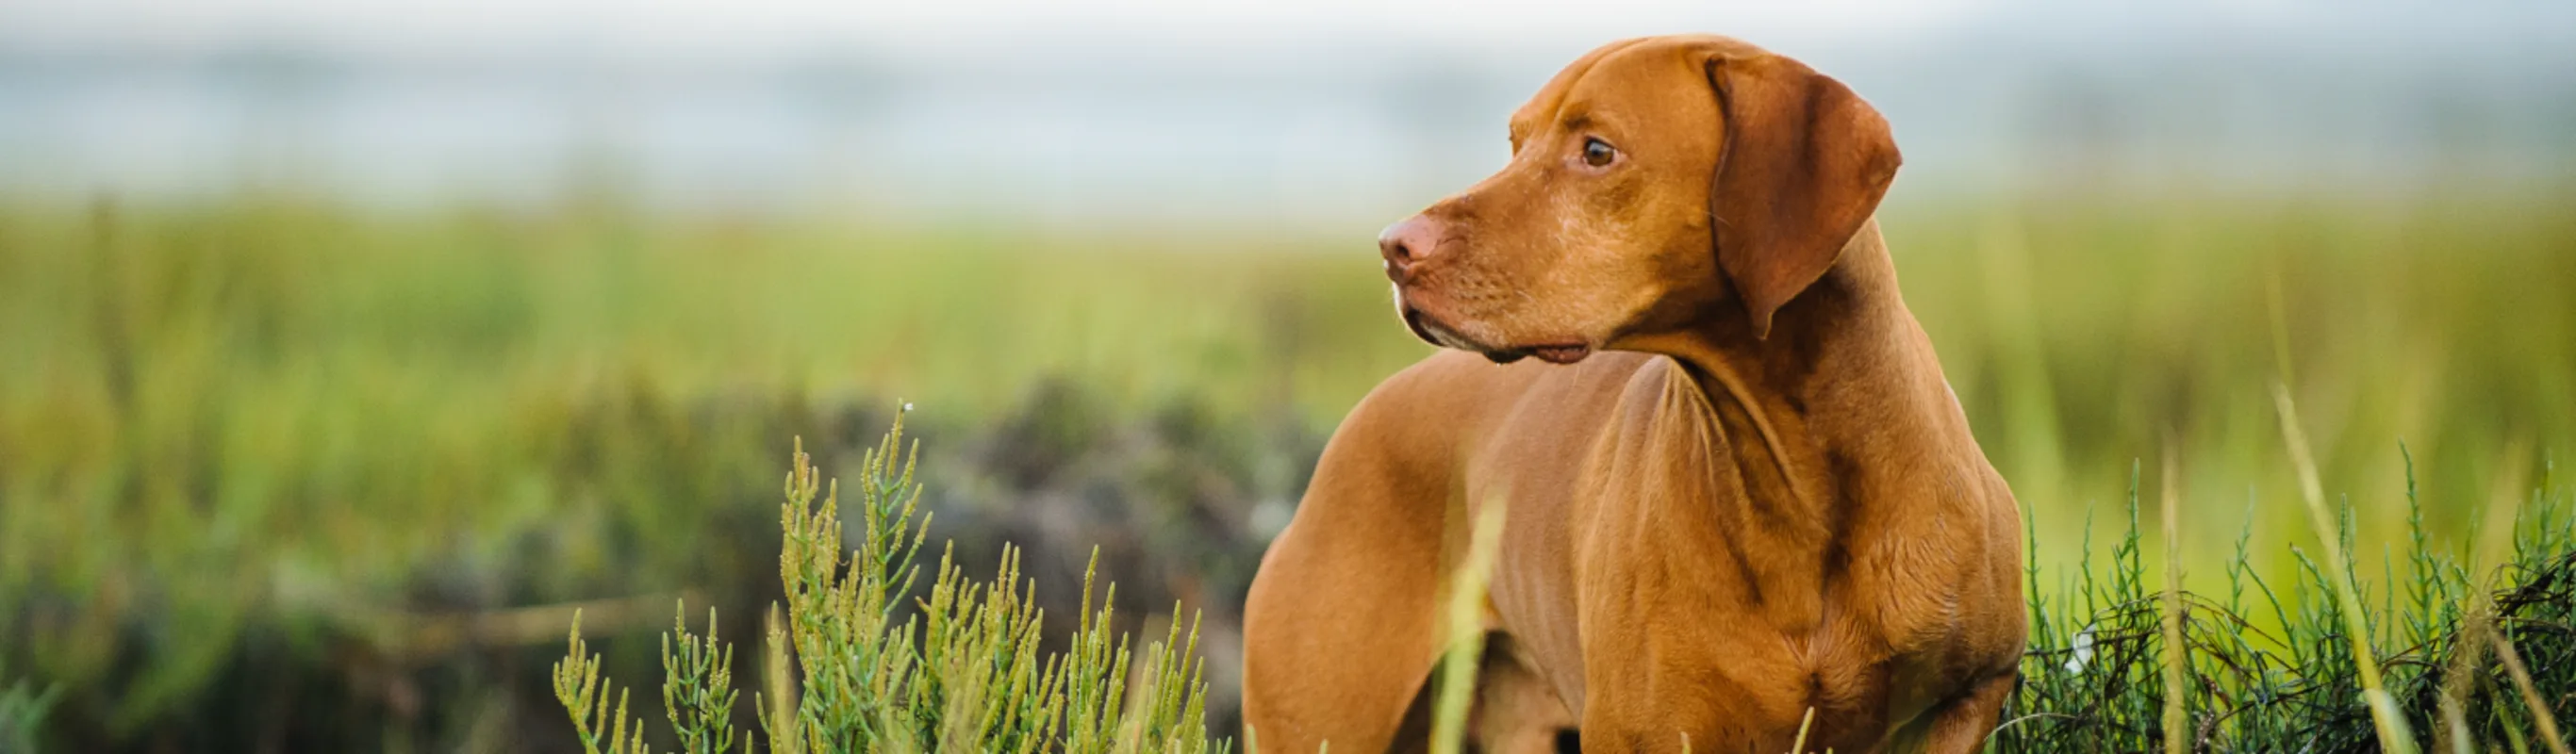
{"x": 1269, "y": 106}
{"x": 737, "y": 27}
{"x": 752, "y": 29}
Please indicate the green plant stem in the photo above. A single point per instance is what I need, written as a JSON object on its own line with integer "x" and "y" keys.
{"x": 2394, "y": 734}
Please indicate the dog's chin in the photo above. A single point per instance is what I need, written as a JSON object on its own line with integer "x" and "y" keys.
{"x": 1431, "y": 331}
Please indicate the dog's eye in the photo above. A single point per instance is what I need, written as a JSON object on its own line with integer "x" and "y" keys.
{"x": 1598, "y": 153}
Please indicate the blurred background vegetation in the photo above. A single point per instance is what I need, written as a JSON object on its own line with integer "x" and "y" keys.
{"x": 267, "y": 460}
{"x": 339, "y": 365}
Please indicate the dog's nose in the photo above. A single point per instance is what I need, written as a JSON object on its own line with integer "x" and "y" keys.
{"x": 1407, "y": 243}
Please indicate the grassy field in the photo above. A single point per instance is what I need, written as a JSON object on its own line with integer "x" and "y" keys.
{"x": 288, "y": 474}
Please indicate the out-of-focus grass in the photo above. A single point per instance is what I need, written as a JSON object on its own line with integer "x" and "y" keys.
{"x": 304, "y": 424}
{"x": 256, "y": 435}
{"x": 2078, "y": 334}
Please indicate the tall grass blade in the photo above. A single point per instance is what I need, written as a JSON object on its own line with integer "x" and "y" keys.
{"x": 778, "y": 706}
{"x": 2495, "y": 537}
{"x": 2394, "y": 733}
{"x": 1466, "y": 632}
{"x": 2177, "y": 720}
{"x": 2541, "y": 717}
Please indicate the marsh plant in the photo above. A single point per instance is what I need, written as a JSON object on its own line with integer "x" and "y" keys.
{"x": 856, "y": 665}
{"x": 2468, "y": 656}
{"x": 255, "y": 449}
{"x": 2473, "y": 656}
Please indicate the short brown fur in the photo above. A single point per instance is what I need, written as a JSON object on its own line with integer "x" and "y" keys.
{"x": 1745, "y": 491}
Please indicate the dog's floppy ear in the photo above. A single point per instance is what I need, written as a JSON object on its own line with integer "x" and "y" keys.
{"x": 1803, "y": 165}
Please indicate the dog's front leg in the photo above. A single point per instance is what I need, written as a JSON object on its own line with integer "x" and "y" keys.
{"x": 1962, "y": 725}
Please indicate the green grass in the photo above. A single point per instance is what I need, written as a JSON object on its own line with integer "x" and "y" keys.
{"x": 2269, "y": 664}
{"x": 963, "y": 669}
{"x": 22, "y": 713}
{"x": 287, "y": 471}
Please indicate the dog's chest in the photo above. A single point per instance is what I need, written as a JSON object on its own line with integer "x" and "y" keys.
{"x": 1696, "y": 557}
{"x": 1877, "y": 653}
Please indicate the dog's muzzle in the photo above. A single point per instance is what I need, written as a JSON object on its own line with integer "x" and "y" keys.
{"x": 1432, "y": 331}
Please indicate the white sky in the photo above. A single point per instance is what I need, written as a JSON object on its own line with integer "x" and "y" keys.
{"x": 737, "y": 28}
{"x": 755, "y": 30}
{"x": 2306, "y": 88}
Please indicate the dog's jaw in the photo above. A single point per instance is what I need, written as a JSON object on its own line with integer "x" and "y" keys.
{"x": 1431, "y": 330}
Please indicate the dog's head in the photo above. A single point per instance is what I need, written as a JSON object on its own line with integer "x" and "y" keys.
{"x": 1654, "y": 183}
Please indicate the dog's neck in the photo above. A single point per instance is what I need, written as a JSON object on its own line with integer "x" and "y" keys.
{"x": 1841, "y": 361}
{"x": 1850, "y": 331}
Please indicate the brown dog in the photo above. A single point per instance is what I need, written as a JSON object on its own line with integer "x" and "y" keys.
{"x": 1740, "y": 490}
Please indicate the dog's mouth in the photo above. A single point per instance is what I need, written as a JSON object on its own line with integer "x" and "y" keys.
{"x": 1431, "y": 331}
{"x": 1567, "y": 353}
